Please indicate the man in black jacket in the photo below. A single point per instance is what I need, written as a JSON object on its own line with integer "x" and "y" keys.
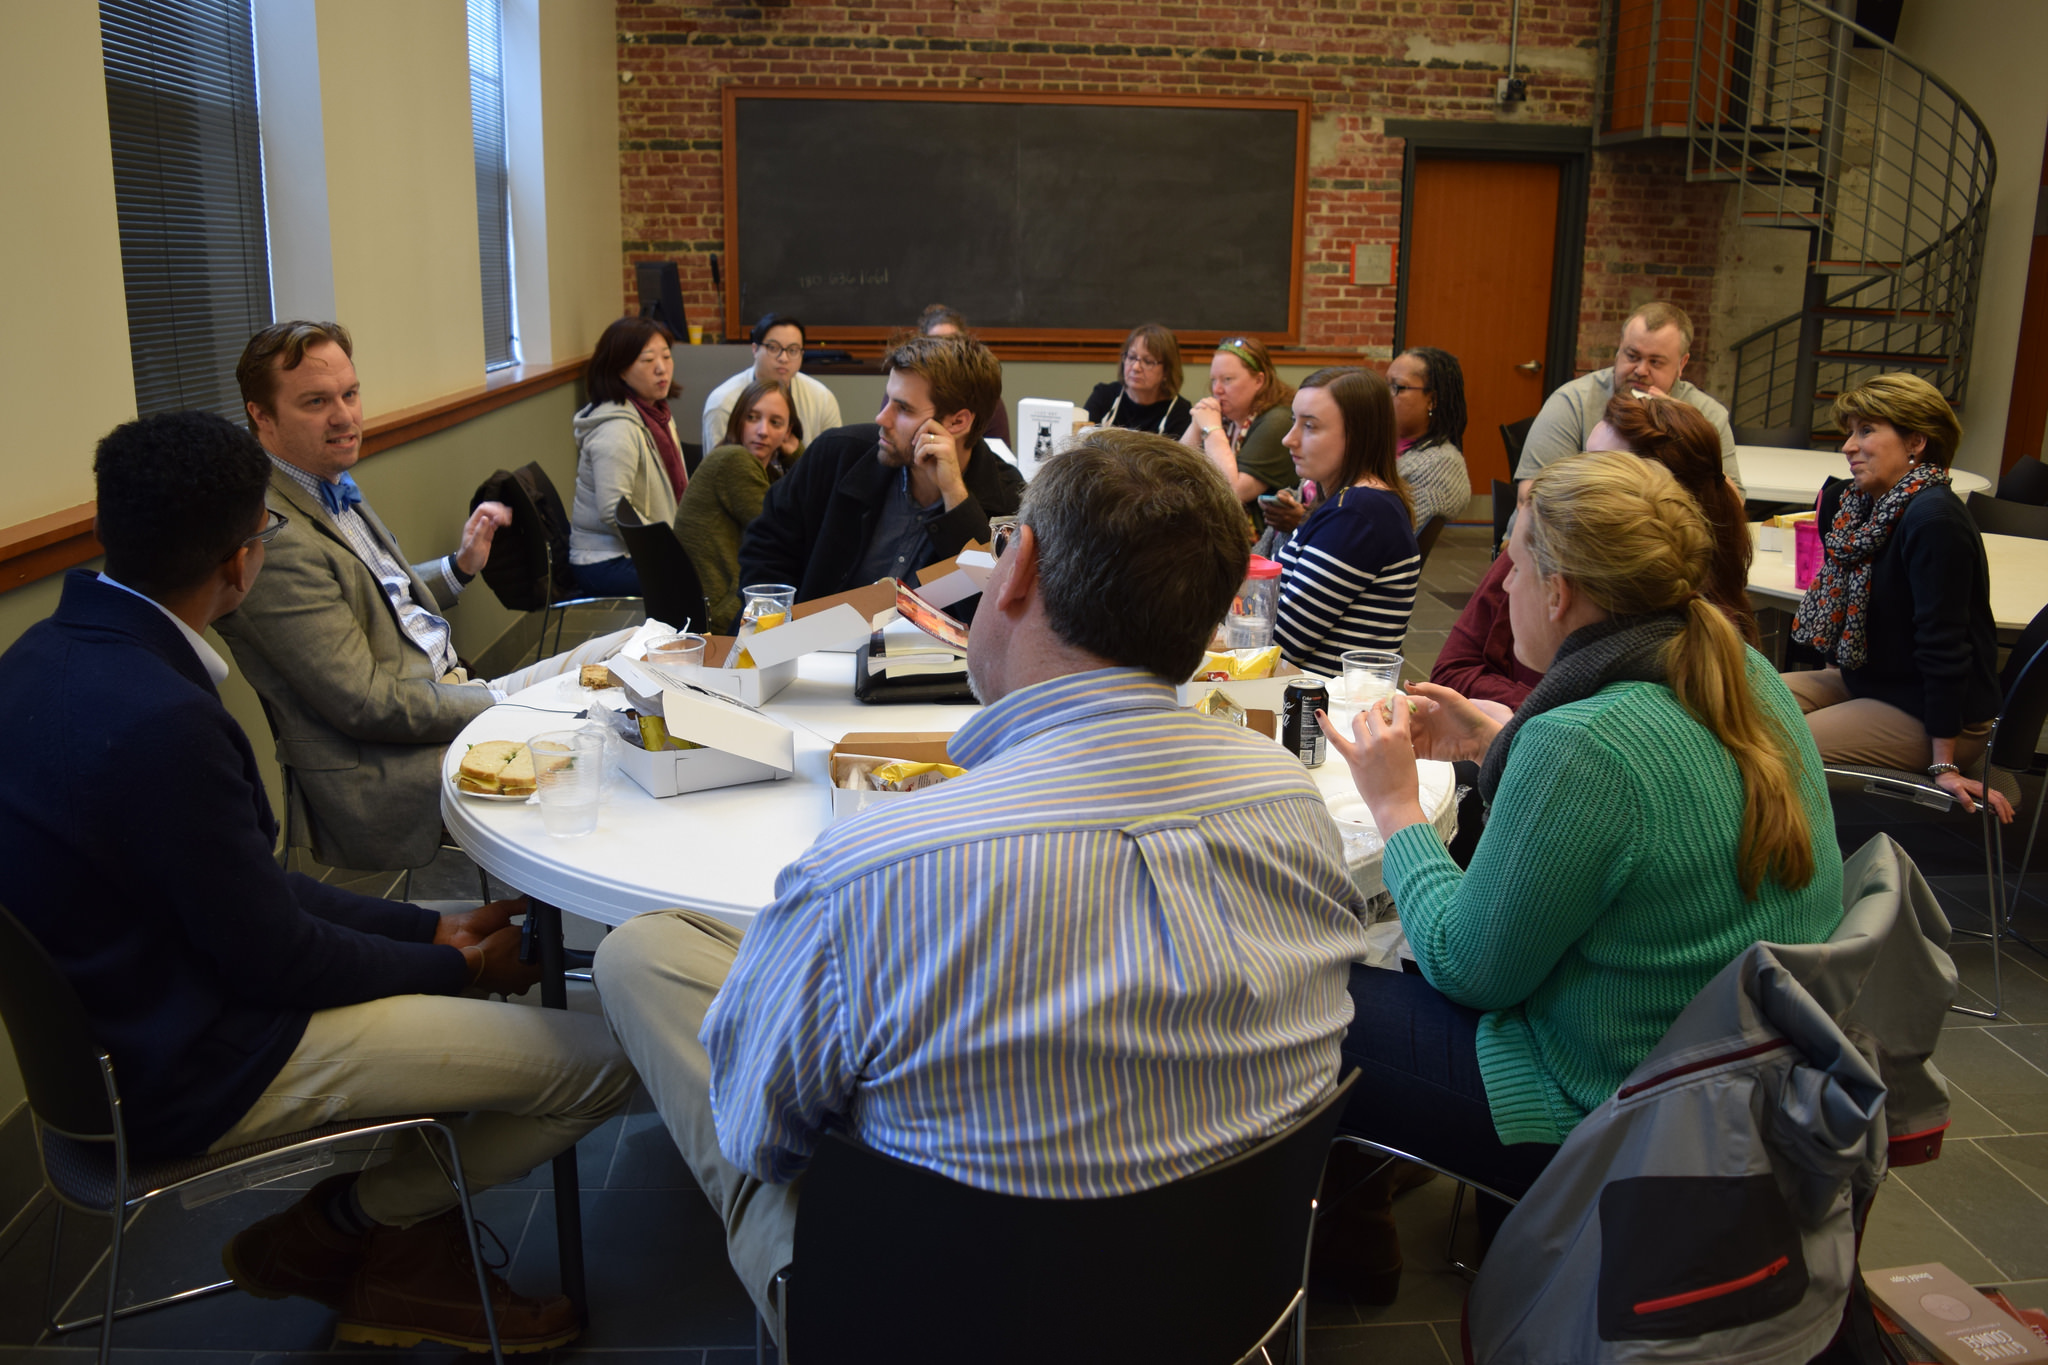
{"x": 879, "y": 501}
{"x": 239, "y": 1002}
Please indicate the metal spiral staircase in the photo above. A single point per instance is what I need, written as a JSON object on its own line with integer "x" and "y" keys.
{"x": 1823, "y": 128}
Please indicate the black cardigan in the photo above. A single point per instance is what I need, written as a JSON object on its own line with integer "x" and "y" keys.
{"x": 135, "y": 844}
{"x": 815, "y": 524}
{"x": 1933, "y": 644}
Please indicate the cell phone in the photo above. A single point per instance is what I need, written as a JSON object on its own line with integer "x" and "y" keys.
{"x": 1269, "y": 499}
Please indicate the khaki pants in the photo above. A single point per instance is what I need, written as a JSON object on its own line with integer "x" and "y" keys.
{"x": 1869, "y": 733}
{"x": 657, "y": 975}
{"x": 517, "y": 1084}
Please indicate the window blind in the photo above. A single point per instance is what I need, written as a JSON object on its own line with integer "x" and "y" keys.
{"x": 493, "y": 193}
{"x": 188, "y": 190}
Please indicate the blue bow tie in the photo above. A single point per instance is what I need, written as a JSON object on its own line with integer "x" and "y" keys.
{"x": 339, "y": 497}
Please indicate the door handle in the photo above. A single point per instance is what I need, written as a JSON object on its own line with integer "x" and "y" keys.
{"x": 1530, "y": 367}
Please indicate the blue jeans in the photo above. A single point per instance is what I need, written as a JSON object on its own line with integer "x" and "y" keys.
{"x": 1419, "y": 1090}
{"x": 607, "y": 578}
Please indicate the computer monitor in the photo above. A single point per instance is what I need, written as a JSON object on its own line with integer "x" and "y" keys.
{"x": 661, "y": 295}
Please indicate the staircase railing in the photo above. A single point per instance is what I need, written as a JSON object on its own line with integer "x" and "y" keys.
{"x": 1826, "y": 128}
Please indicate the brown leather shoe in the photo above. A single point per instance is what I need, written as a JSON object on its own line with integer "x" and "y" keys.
{"x": 418, "y": 1284}
{"x": 297, "y": 1251}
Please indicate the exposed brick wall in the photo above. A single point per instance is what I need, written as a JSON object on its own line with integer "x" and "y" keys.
{"x": 1360, "y": 62}
{"x": 1649, "y": 235}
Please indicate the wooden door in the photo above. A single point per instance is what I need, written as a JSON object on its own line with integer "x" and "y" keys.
{"x": 1482, "y": 240}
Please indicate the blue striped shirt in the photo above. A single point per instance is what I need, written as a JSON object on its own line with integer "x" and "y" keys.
{"x": 1348, "y": 580}
{"x": 1113, "y": 953}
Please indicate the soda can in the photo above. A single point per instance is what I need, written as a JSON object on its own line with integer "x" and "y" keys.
{"x": 1300, "y": 735}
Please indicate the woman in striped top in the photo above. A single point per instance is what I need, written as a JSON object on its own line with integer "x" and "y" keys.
{"x": 1350, "y": 570}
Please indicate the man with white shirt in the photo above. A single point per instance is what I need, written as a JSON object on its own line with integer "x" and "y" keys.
{"x": 778, "y": 354}
{"x": 345, "y": 642}
{"x": 239, "y": 1002}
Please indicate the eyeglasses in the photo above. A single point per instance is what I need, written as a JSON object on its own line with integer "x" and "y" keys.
{"x": 781, "y": 352}
{"x": 1143, "y": 362}
{"x": 1408, "y": 388}
{"x": 1001, "y": 531}
{"x": 278, "y": 521}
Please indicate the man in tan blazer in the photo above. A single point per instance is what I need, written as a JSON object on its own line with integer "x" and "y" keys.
{"x": 343, "y": 640}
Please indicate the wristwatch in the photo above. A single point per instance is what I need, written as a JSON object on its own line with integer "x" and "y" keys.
{"x": 1937, "y": 769}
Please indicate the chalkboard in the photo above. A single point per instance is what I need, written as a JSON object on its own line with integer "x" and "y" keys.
{"x": 1038, "y": 217}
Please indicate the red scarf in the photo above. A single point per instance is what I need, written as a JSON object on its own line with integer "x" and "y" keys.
{"x": 655, "y": 415}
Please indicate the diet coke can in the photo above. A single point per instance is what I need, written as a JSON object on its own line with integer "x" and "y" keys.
{"x": 1300, "y": 735}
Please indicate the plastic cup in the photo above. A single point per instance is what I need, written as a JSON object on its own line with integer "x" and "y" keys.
{"x": 676, "y": 651}
{"x": 568, "y": 767}
{"x": 1370, "y": 676}
{"x": 766, "y": 605}
{"x": 696, "y": 330}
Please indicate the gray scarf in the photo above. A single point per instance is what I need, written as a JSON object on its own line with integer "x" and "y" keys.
{"x": 1619, "y": 649}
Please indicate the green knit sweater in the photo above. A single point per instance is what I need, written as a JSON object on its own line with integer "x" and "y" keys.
{"x": 722, "y": 499}
{"x": 1604, "y": 894}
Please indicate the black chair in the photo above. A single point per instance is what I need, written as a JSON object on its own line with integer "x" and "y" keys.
{"x": 1425, "y": 539}
{"x": 2024, "y": 686}
{"x": 1207, "y": 1268}
{"x": 83, "y": 1144}
{"x": 2026, "y": 481}
{"x": 1503, "y": 508}
{"x": 1513, "y": 436}
{"x": 2004, "y": 517}
{"x": 668, "y": 580}
{"x": 551, "y": 571}
{"x": 1783, "y": 438}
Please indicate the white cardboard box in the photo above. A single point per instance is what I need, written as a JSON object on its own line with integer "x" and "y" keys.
{"x": 774, "y": 653}
{"x": 1265, "y": 694}
{"x": 739, "y": 746}
{"x": 918, "y": 746}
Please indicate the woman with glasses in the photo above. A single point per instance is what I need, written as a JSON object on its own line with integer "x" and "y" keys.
{"x": 1240, "y": 424}
{"x": 1148, "y": 398}
{"x": 1348, "y": 575}
{"x": 627, "y": 447}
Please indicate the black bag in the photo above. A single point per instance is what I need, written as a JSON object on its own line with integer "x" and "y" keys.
{"x": 529, "y": 564}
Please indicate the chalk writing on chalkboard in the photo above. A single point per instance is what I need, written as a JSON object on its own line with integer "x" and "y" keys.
{"x": 843, "y": 277}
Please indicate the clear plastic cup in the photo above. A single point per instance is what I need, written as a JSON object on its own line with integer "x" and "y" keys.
{"x": 1369, "y": 676}
{"x": 676, "y": 651}
{"x": 568, "y": 767}
{"x": 766, "y": 605}
{"x": 1250, "y": 622}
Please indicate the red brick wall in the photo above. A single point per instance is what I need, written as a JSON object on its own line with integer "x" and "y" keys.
{"x": 1649, "y": 235}
{"x": 1360, "y": 62}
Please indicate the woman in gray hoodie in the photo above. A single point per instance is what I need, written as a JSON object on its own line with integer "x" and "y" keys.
{"x": 626, "y": 447}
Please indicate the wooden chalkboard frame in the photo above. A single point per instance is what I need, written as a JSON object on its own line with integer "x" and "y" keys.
{"x": 736, "y": 327}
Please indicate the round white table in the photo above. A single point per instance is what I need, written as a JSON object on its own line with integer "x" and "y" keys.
{"x": 1774, "y": 474}
{"x": 2019, "y": 576}
{"x": 719, "y": 851}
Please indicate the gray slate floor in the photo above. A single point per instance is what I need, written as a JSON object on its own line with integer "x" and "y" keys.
{"x": 662, "y": 1293}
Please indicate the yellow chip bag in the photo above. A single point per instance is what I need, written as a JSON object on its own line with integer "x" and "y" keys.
{"x": 654, "y": 736}
{"x": 1238, "y": 665}
{"x": 905, "y": 776}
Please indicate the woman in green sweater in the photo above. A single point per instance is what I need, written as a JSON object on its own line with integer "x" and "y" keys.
{"x": 762, "y": 439}
{"x": 1657, "y": 805}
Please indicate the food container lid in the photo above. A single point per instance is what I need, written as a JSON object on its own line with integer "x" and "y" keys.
{"x": 1262, "y": 568}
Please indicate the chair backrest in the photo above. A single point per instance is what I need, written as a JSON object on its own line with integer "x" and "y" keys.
{"x": 668, "y": 580}
{"x": 2025, "y": 709}
{"x": 1784, "y": 438}
{"x": 1513, "y": 436}
{"x": 1425, "y": 539}
{"x": 1503, "y": 508}
{"x": 1198, "y": 1269}
{"x": 2026, "y": 481}
{"x": 693, "y": 455}
{"x": 52, "y": 1038}
{"x": 1998, "y": 517}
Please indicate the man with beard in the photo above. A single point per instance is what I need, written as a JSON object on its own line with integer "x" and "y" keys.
{"x": 882, "y": 500}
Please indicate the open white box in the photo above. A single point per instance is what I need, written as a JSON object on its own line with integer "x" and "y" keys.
{"x": 774, "y": 653}
{"x": 1266, "y": 694}
{"x": 739, "y": 746}
{"x": 917, "y": 746}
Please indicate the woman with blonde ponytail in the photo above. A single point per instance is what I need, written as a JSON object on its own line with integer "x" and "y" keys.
{"x": 1656, "y": 806}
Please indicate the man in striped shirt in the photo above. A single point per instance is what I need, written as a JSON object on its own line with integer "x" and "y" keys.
{"x": 1112, "y": 954}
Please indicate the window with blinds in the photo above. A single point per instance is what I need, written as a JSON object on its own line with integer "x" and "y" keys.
{"x": 493, "y": 191}
{"x": 188, "y": 189}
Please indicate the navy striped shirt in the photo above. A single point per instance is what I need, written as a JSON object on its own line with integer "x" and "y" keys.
{"x": 1348, "y": 580}
{"x": 1113, "y": 953}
